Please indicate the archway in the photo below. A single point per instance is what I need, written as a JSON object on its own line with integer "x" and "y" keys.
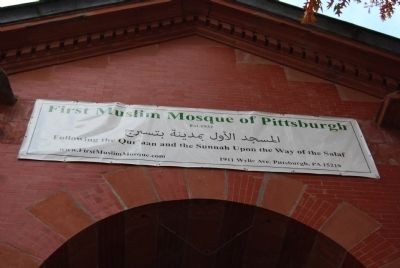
{"x": 200, "y": 233}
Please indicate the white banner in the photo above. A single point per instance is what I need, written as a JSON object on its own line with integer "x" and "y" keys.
{"x": 169, "y": 136}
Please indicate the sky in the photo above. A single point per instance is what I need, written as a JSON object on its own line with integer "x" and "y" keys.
{"x": 4, "y": 3}
{"x": 354, "y": 13}
{"x": 357, "y": 14}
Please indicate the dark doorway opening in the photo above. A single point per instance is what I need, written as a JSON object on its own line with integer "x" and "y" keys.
{"x": 200, "y": 233}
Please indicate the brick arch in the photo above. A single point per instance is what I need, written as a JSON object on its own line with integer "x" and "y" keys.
{"x": 136, "y": 186}
{"x": 199, "y": 233}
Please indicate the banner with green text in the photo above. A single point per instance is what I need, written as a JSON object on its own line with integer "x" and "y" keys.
{"x": 185, "y": 137}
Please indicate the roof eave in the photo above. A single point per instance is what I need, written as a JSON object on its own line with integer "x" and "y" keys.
{"x": 84, "y": 33}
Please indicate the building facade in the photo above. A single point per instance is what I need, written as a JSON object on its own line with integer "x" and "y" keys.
{"x": 232, "y": 55}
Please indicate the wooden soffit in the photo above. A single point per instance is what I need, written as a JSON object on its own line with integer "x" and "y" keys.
{"x": 85, "y": 33}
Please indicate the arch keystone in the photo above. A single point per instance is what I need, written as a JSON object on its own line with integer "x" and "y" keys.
{"x": 169, "y": 182}
{"x": 282, "y": 194}
{"x": 205, "y": 183}
{"x": 133, "y": 186}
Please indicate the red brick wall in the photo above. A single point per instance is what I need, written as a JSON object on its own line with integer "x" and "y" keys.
{"x": 42, "y": 204}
